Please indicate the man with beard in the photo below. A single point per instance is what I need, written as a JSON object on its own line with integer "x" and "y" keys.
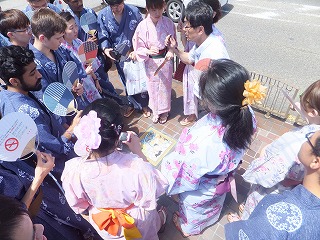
{"x": 18, "y": 71}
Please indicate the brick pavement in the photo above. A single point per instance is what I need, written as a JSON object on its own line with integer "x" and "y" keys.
{"x": 268, "y": 130}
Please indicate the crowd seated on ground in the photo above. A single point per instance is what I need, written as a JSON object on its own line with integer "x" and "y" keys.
{"x": 68, "y": 186}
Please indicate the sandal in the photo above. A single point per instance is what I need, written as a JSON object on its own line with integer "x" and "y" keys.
{"x": 175, "y": 219}
{"x": 164, "y": 212}
{"x": 128, "y": 111}
{"x": 163, "y": 118}
{"x": 233, "y": 217}
{"x": 186, "y": 121}
{"x": 241, "y": 208}
{"x": 155, "y": 118}
{"x": 146, "y": 112}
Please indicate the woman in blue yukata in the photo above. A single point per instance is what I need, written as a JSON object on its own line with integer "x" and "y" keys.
{"x": 200, "y": 169}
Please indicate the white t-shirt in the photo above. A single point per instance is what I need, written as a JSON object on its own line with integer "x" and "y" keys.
{"x": 213, "y": 47}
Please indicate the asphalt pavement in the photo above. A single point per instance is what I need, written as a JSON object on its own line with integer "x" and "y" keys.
{"x": 278, "y": 38}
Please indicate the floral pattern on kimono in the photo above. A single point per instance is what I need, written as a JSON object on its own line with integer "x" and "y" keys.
{"x": 278, "y": 162}
{"x": 116, "y": 181}
{"x": 91, "y": 91}
{"x": 159, "y": 87}
{"x": 200, "y": 152}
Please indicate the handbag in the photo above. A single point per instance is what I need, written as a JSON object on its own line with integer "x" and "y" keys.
{"x": 136, "y": 77}
{"x": 178, "y": 74}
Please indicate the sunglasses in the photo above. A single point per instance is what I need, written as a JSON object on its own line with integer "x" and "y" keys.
{"x": 315, "y": 151}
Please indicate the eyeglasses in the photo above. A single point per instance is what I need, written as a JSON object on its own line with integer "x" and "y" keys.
{"x": 308, "y": 136}
{"x": 26, "y": 30}
{"x": 187, "y": 27}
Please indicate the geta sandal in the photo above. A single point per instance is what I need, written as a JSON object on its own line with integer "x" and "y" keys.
{"x": 164, "y": 212}
{"x": 233, "y": 217}
{"x": 128, "y": 111}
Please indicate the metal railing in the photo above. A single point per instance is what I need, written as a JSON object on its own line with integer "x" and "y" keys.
{"x": 275, "y": 102}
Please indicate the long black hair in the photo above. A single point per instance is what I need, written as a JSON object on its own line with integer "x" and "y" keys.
{"x": 221, "y": 88}
{"x": 111, "y": 123}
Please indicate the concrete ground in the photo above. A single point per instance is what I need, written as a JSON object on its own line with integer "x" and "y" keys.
{"x": 268, "y": 130}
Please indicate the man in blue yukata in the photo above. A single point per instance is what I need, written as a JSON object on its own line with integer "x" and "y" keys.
{"x": 19, "y": 72}
{"x": 76, "y": 9}
{"x": 291, "y": 215}
{"x": 118, "y": 22}
{"x": 15, "y": 26}
{"x": 37, "y": 4}
{"x": 48, "y": 29}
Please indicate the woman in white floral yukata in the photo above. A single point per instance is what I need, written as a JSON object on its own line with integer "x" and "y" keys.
{"x": 200, "y": 169}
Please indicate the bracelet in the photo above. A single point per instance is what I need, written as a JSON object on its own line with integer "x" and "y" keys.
{"x": 95, "y": 79}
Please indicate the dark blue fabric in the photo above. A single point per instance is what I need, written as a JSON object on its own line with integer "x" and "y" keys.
{"x": 49, "y": 128}
{"x": 291, "y": 215}
{"x": 59, "y": 220}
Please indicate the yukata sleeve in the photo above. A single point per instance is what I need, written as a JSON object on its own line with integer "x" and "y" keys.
{"x": 103, "y": 35}
{"x": 139, "y": 43}
{"x": 47, "y": 140}
{"x": 10, "y": 185}
{"x": 151, "y": 185}
{"x": 74, "y": 193}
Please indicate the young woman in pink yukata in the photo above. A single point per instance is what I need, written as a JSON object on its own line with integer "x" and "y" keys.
{"x": 119, "y": 190}
{"x": 207, "y": 154}
{"x": 148, "y": 43}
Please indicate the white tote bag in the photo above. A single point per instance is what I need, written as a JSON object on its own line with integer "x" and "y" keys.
{"x": 136, "y": 77}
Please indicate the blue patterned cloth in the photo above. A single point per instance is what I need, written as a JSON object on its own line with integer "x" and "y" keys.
{"x": 50, "y": 130}
{"x": 52, "y": 71}
{"x": 291, "y": 215}
{"x": 58, "y": 219}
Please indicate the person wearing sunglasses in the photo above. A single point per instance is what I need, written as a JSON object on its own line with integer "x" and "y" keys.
{"x": 292, "y": 214}
{"x": 278, "y": 167}
{"x": 15, "y": 25}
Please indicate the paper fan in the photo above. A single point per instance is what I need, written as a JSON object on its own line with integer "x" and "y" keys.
{"x": 18, "y": 133}
{"x": 88, "y": 21}
{"x": 87, "y": 51}
{"x": 203, "y": 64}
{"x": 59, "y": 100}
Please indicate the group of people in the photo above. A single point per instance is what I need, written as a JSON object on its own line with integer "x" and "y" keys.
{"x": 80, "y": 171}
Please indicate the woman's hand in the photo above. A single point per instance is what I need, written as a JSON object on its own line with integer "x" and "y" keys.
{"x": 99, "y": 88}
{"x": 133, "y": 56}
{"x": 89, "y": 69}
{"x": 134, "y": 145}
{"x": 169, "y": 55}
{"x": 78, "y": 89}
{"x": 152, "y": 51}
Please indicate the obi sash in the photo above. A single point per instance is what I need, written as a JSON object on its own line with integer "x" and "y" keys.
{"x": 112, "y": 219}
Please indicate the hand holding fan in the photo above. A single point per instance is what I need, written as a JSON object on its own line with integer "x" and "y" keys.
{"x": 59, "y": 100}
{"x": 17, "y": 136}
{"x": 70, "y": 76}
{"x": 88, "y": 22}
{"x": 17, "y": 139}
